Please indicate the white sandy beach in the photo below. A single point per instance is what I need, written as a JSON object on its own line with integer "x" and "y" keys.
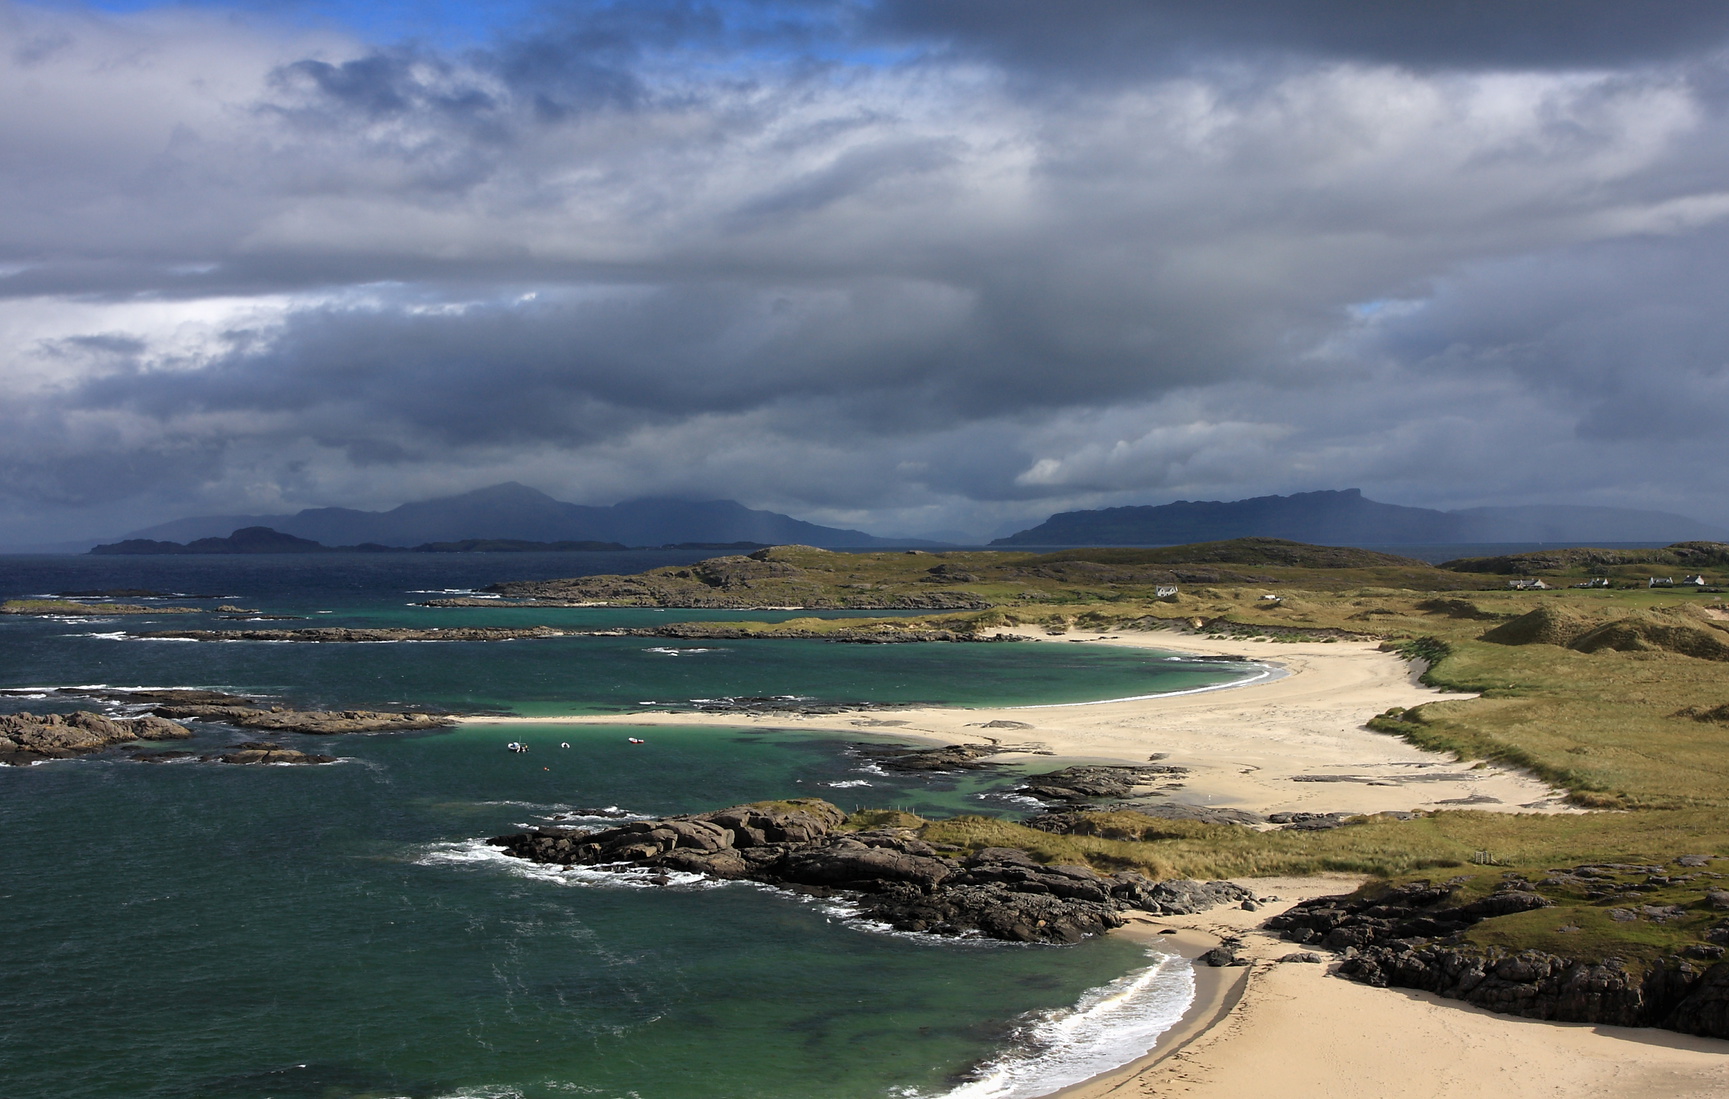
{"x": 1295, "y": 742}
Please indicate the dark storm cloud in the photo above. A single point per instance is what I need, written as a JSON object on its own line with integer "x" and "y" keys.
{"x": 1113, "y": 38}
{"x": 890, "y": 265}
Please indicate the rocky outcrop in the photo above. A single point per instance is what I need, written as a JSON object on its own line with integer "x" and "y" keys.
{"x": 947, "y": 757}
{"x": 26, "y": 738}
{"x": 340, "y": 634}
{"x": 67, "y": 608}
{"x": 320, "y": 722}
{"x": 890, "y": 874}
{"x": 1412, "y": 936}
{"x": 1086, "y": 782}
{"x": 263, "y": 751}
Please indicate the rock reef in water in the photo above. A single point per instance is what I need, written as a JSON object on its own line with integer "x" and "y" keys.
{"x": 316, "y": 722}
{"x": 26, "y": 738}
{"x": 68, "y": 608}
{"x": 890, "y": 874}
{"x": 342, "y": 634}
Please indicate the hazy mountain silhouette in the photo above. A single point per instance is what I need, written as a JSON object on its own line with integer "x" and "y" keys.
{"x": 513, "y": 511}
{"x": 1347, "y": 518}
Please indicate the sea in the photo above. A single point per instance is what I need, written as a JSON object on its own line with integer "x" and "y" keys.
{"x": 192, "y": 930}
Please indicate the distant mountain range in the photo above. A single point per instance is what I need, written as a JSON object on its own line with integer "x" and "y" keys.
{"x": 1346, "y": 518}
{"x": 513, "y": 512}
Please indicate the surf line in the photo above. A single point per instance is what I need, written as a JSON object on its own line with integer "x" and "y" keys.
{"x": 1267, "y": 672}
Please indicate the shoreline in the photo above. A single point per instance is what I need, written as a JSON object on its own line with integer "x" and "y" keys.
{"x": 1317, "y": 1035}
{"x": 1291, "y": 742}
{"x": 1324, "y": 1037}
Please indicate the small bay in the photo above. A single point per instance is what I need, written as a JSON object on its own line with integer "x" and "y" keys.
{"x": 188, "y": 929}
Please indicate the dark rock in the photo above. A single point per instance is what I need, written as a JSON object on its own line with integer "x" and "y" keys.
{"x": 1408, "y": 937}
{"x": 1084, "y": 782}
{"x": 321, "y": 722}
{"x": 1218, "y": 956}
{"x": 268, "y": 754}
{"x": 1310, "y": 822}
{"x": 1301, "y": 956}
{"x": 948, "y": 757}
{"x": 893, "y": 876}
{"x": 1206, "y": 814}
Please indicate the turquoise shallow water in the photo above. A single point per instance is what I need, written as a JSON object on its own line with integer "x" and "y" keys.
{"x": 194, "y": 930}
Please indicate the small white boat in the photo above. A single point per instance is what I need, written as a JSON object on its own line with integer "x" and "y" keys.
{"x": 516, "y": 746}
{"x": 637, "y": 740}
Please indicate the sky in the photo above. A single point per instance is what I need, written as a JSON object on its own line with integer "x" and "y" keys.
{"x": 920, "y": 267}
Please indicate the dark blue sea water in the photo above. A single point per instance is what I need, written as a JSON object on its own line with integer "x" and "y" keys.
{"x": 343, "y": 931}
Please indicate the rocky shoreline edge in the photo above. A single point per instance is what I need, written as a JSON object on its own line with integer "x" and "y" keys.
{"x": 27, "y": 738}
{"x": 1417, "y": 935}
{"x": 890, "y": 875}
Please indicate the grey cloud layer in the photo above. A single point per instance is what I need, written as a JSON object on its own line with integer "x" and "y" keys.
{"x": 1456, "y": 261}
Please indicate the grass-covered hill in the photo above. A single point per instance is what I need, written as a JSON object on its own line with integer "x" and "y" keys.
{"x": 1695, "y": 557}
{"x": 803, "y": 576}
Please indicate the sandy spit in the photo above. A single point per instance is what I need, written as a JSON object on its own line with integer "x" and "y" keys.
{"x": 1292, "y": 741}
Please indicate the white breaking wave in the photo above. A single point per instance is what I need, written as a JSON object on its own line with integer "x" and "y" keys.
{"x": 1111, "y": 1026}
{"x": 1266, "y": 672}
{"x": 480, "y": 853}
{"x": 846, "y": 783}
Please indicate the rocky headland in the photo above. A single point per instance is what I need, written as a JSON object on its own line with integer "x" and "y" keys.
{"x": 778, "y": 576}
{"x": 888, "y": 874}
{"x": 1426, "y": 935}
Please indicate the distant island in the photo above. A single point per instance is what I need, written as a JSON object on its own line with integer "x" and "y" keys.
{"x": 1346, "y": 517}
{"x": 267, "y": 540}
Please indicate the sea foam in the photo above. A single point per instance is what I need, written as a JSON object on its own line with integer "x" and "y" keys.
{"x": 1111, "y": 1026}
